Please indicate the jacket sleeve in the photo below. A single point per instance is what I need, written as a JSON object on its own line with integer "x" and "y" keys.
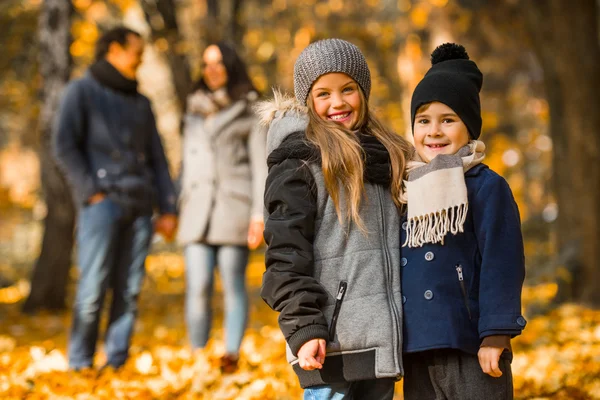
{"x": 498, "y": 230}
{"x": 288, "y": 283}
{"x": 167, "y": 200}
{"x": 257, "y": 148}
{"x": 69, "y": 136}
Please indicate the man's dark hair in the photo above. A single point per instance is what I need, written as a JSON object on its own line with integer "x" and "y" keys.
{"x": 118, "y": 34}
{"x": 238, "y": 81}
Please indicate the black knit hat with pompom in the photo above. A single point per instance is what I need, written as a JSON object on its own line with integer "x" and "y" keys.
{"x": 454, "y": 80}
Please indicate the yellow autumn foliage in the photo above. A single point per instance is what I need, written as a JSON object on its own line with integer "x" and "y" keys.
{"x": 556, "y": 357}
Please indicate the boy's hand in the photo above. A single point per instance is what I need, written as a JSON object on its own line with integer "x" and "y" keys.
{"x": 312, "y": 354}
{"x": 488, "y": 360}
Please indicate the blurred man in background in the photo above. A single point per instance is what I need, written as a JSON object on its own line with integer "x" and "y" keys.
{"x": 107, "y": 144}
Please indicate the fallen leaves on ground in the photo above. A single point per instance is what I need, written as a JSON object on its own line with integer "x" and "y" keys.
{"x": 557, "y": 357}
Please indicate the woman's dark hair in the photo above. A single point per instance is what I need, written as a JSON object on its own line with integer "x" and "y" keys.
{"x": 118, "y": 34}
{"x": 238, "y": 81}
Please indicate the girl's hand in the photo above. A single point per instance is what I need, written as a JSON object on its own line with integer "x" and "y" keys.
{"x": 312, "y": 354}
{"x": 488, "y": 360}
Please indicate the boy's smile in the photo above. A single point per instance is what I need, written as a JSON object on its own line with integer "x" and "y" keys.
{"x": 438, "y": 130}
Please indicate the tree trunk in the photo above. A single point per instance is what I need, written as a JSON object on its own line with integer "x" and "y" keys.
{"x": 236, "y": 30}
{"x": 169, "y": 30}
{"x": 565, "y": 38}
{"x": 211, "y": 27}
{"x": 223, "y": 22}
{"x": 51, "y": 270}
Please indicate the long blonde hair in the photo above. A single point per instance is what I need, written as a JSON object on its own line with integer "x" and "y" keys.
{"x": 343, "y": 158}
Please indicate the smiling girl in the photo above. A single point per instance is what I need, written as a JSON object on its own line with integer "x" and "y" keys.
{"x": 332, "y": 228}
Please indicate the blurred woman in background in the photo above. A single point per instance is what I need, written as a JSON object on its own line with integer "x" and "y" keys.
{"x": 222, "y": 185}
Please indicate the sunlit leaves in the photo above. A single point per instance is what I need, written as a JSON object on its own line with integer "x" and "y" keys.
{"x": 302, "y": 38}
{"x": 556, "y": 357}
{"x": 14, "y": 293}
{"x": 419, "y": 16}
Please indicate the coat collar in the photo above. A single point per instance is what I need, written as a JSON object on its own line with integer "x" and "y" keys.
{"x": 476, "y": 170}
{"x": 284, "y": 116}
{"x": 105, "y": 73}
{"x": 214, "y": 124}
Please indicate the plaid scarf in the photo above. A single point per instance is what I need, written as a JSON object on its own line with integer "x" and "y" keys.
{"x": 436, "y": 194}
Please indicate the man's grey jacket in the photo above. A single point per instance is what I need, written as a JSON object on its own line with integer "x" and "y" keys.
{"x": 106, "y": 141}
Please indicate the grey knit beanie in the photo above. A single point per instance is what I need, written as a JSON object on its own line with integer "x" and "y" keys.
{"x": 326, "y": 56}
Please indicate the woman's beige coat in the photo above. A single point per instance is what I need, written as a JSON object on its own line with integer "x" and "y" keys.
{"x": 223, "y": 176}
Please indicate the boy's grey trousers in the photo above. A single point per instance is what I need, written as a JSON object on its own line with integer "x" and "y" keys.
{"x": 449, "y": 374}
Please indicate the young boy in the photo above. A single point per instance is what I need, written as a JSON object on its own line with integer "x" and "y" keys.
{"x": 462, "y": 255}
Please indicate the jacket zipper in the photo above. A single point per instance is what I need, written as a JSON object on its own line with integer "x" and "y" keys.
{"x": 461, "y": 281}
{"x": 336, "y": 310}
{"x": 395, "y": 313}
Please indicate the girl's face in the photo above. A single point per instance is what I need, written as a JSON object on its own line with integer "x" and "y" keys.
{"x": 215, "y": 74}
{"x": 438, "y": 130}
{"x": 336, "y": 98}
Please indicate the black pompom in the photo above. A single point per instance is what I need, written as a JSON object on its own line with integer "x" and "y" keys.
{"x": 448, "y": 51}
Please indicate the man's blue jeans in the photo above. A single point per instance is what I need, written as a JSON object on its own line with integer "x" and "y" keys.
{"x": 200, "y": 262}
{"x": 373, "y": 389}
{"x": 112, "y": 249}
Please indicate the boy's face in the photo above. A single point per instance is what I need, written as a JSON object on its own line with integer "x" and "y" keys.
{"x": 336, "y": 98}
{"x": 438, "y": 130}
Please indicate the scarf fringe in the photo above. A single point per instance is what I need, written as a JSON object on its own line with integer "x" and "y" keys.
{"x": 433, "y": 227}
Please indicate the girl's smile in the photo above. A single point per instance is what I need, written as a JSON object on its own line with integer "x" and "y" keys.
{"x": 340, "y": 117}
{"x": 336, "y": 98}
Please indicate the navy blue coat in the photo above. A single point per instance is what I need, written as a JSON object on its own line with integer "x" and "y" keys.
{"x": 106, "y": 141}
{"x": 469, "y": 288}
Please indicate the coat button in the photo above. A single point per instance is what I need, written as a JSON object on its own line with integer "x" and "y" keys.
{"x": 429, "y": 256}
{"x": 521, "y": 321}
{"x": 428, "y": 294}
{"x": 403, "y": 299}
{"x": 115, "y": 154}
{"x": 403, "y": 261}
{"x": 101, "y": 173}
{"x": 404, "y": 225}
{"x": 141, "y": 157}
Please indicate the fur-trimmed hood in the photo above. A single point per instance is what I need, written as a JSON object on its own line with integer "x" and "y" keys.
{"x": 283, "y": 115}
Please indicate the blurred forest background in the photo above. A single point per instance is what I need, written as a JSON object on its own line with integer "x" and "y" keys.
{"x": 540, "y": 122}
